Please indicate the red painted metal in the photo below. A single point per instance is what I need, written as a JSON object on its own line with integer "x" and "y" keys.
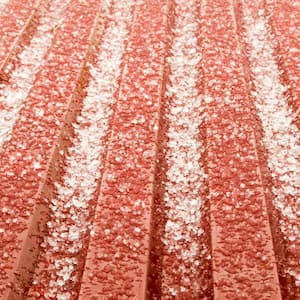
{"x": 286, "y": 248}
{"x": 180, "y": 261}
{"x": 116, "y": 268}
{"x": 244, "y": 264}
{"x": 31, "y": 159}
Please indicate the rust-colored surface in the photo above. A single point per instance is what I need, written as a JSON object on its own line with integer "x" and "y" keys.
{"x": 155, "y": 150}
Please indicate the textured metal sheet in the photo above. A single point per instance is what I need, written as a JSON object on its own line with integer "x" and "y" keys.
{"x": 155, "y": 154}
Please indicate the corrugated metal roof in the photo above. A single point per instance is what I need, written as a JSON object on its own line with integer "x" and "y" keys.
{"x": 149, "y": 149}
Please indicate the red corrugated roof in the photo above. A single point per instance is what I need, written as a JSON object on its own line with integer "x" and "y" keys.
{"x": 149, "y": 149}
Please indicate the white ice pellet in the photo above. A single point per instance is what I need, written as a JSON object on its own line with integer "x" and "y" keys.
{"x": 137, "y": 230}
{"x": 63, "y": 296}
{"x": 36, "y": 165}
